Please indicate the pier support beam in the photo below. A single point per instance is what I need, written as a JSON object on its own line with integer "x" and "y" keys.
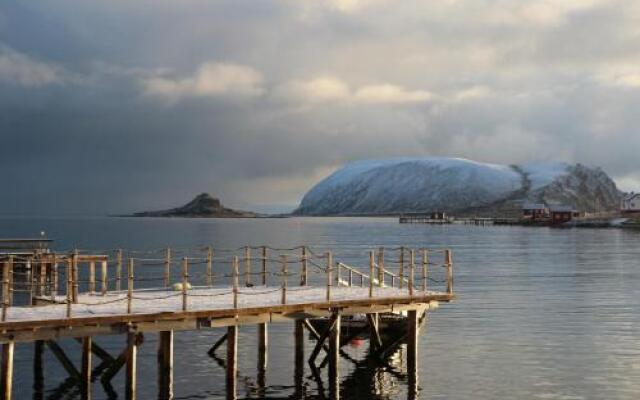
{"x": 413, "y": 331}
{"x": 334, "y": 358}
{"x": 132, "y": 359}
{"x": 232, "y": 362}
{"x": 38, "y": 372}
{"x": 6, "y": 380}
{"x": 263, "y": 359}
{"x": 85, "y": 384}
{"x": 299, "y": 358}
{"x": 165, "y": 365}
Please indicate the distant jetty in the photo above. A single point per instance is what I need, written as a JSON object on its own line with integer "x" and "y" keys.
{"x": 203, "y": 205}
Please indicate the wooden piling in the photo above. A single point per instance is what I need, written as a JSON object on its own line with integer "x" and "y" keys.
{"x": 449, "y": 265}
{"x": 299, "y": 358}
{"x": 167, "y": 267}
{"x": 425, "y": 269}
{"x": 131, "y": 366}
{"x": 165, "y": 365}
{"x": 232, "y": 362}
{"x": 130, "y": 286}
{"x": 371, "y": 264}
{"x": 285, "y": 272}
{"x": 247, "y": 266}
{"x": 118, "y": 270}
{"x": 209, "y": 266}
{"x": 263, "y": 358}
{"x": 85, "y": 384}
{"x": 412, "y": 353}
{"x": 185, "y": 282}
{"x": 334, "y": 358}
{"x": 38, "y": 370}
{"x": 329, "y": 268}
{"x": 103, "y": 278}
{"x": 6, "y": 371}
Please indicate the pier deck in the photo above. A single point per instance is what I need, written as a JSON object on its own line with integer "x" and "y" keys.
{"x": 84, "y": 299}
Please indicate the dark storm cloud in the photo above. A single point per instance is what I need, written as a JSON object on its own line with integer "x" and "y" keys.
{"x": 114, "y": 106}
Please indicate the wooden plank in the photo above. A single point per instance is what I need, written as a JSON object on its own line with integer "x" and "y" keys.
{"x": 216, "y": 345}
{"x": 334, "y": 358}
{"x": 131, "y": 373}
{"x": 232, "y": 362}
{"x": 165, "y": 365}
{"x": 85, "y": 383}
{"x": 374, "y": 336}
{"x": 6, "y": 371}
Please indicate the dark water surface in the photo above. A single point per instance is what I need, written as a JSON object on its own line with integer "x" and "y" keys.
{"x": 541, "y": 314}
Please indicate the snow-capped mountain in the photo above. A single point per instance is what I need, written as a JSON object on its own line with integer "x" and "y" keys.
{"x": 453, "y": 184}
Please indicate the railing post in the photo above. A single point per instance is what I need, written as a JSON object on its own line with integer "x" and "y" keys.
{"x": 449, "y": 265}
{"x": 381, "y": 266}
{"x": 130, "y": 286}
{"x": 371, "y": 264}
{"x": 401, "y": 271}
{"x": 5, "y": 289}
{"x": 43, "y": 277}
{"x": 209, "y": 266}
{"x": 30, "y": 280}
{"x": 350, "y": 277}
{"x": 11, "y": 280}
{"x": 338, "y": 274}
{"x": 75, "y": 274}
{"x": 235, "y": 281}
{"x": 92, "y": 276}
{"x": 54, "y": 274}
{"x": 167, "y": 267}
{"x": 425, "y": 269}
{"x": 329, "y": 270}
{"x": 412, "y": 269}
{"x": 104, "y": 277}
{"x": 185, "y": 282}
{"x": 283, "y": 260}
{"x": 247, "y": 266}
{"x": 264, "y": 265}
{"x": 119, "y": 270}
{"x": 69, "y": 285}
{"x": 303, "y": 276}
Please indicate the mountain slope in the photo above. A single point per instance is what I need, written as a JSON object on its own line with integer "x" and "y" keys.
{"x": 454, "y": 185}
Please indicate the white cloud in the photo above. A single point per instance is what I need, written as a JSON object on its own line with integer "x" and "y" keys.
{"x": 315, "y": 90}
{"x": 210, "y": 80}
{"x": 21, "y": 69}
{"x": 387, "y": 93}
{"x": 328, "y": 88}
{"x": 471, "y": 93}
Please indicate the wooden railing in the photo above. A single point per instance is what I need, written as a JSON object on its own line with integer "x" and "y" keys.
{"x": 39, "y": 278}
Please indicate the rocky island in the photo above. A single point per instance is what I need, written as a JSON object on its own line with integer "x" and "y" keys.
{"x": 203, "y": 206}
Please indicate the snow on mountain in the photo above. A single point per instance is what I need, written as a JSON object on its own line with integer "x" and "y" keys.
{"x": 450, "y": 184}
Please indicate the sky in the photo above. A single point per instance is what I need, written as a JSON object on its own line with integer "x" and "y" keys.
{"x": 119, "y": 106}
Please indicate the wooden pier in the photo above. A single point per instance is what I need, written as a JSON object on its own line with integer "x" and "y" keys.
{"x": 47, "y": 296}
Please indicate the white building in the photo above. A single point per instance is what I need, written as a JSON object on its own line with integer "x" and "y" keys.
{"x": 631, "y": 203}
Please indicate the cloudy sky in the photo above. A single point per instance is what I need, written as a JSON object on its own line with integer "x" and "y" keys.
{"x": 119, "y": 105}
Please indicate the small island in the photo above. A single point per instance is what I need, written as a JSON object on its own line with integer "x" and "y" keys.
{"x": 203, "y": 206}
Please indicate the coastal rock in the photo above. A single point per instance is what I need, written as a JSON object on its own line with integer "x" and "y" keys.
{"x": 204, "y": 205}
{"x": 457, "y": 185}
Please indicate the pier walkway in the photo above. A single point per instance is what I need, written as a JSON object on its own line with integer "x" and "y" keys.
{"x": 49, "y": 295}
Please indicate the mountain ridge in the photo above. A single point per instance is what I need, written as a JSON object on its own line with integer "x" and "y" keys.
{"x": 466, "y": 187}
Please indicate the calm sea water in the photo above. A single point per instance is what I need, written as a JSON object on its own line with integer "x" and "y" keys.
{"x": 542, "y": 313}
